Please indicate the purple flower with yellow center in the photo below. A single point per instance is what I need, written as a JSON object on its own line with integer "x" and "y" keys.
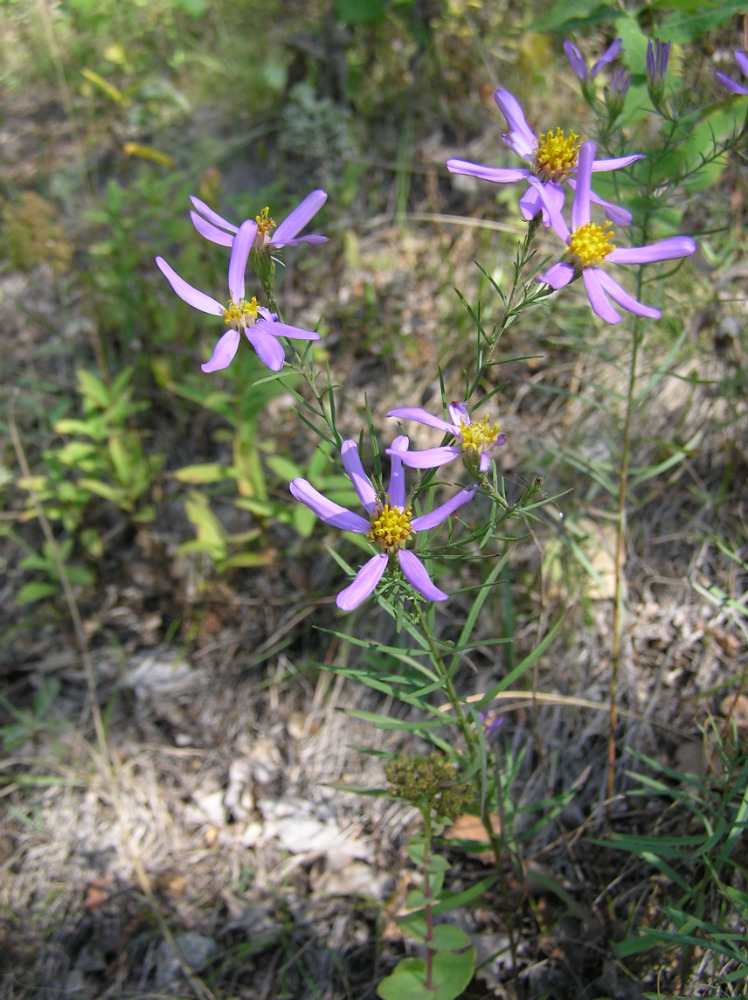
{"x": 736, "y": 88}
{"x": 259, "y": 325}
{"x": 268, "y": 238}
{"x": 590, "y": 245}
{"x": 553, "y": 158}
{"x": 579, "y": 64}
{"x": 474, "y": 439}
{"x": 389, "y": 524}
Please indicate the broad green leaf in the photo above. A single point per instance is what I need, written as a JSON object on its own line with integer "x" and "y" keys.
{"x": 204, "y": 472}
{"x": 35, "y": 591}
{"x": 407, "y": 981}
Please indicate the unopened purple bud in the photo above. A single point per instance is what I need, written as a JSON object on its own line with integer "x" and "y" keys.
{"x": 657, "y": 59}
{"x": 620, "y": 80}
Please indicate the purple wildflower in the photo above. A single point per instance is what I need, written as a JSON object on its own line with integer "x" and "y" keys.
{"x": 553, "y": 156}
{"x": 491, "y": 722}
{"x": 474, "y": 439}
{"x": 260, "y": 327}
{"x": 579, "y": 64}
{"x": 657, "y": 60}
{"x": 620, "y": 81}
{"x": 589, "y": 245}
{"x": 216, "y": 229}
{"x": 389, "y": 524}
{"x": 736, "y": 88}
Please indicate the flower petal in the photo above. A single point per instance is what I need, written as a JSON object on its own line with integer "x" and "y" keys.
{"x": 207, "y": 213}
{"x": 576, "y": 60}
{"x": 363, "y": 584}
{"x": 440, "y": 514}
{"x": 223, "y": 352}
{"x": 415, "y": 573}
{"x": 521, "y": 137}
{"x": 355, "y": 470}
{"x": 742, "y": 60}
{"x": 624, "y": 299}
{"x": 558, "y": 276}
{"x": 608, "y": 56}
{"x": 294, "y": 332}
{"x": 397, "y": 476}
{"x": 326, "y": 510}
{"x": 580, "y": 206}
{"x": 296, "y": 220}
{"x": 731, "y": 85}
{"x": 459, "y": 415}
{"x": 550, "y": 197}
{"x": 423, "y": 417}
{"x": 192, "y": 296}
{"x": 430, "y": 458}
{"x": 620, "y": 216}
{"x": 268, "y": 349}
{"x": 497, "y": 175}
{"x": 669, "y": 249}
{"x": 211, "y": 232}
{"x": 313, "y": 241}
{"x": 616, "y": 162}
{"x": 596, "y": 295}
{"x": 238, "y": 261}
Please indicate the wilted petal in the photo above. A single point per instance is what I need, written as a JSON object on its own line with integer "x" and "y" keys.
{"x": 363, "y": 583}
{"x": 422, "y": 416}
{"x": 415, "y": 573}
{"x": 397, "y": 476}
{"x": 211, "y": 232}
{"x": 268, "y": 349}
{"x": 430, "y": 458}
{"x": 521, "y": 137}
{"x": 223, "y": 352}
{"x": 440, "y": 514}
{"x": 596, "y": 295}
{"x": 669, "y": 249}
{"x": 497, "y": 175}
{"x": 326, "y": 510}
{"x": 192, "y": 296}
{"x": 238, "y": 261}
{"x": 355, "y": 470}
{"x": 558, "y": 276}
{"x": 624, "y": 299}
{"x": 295, "y": 222}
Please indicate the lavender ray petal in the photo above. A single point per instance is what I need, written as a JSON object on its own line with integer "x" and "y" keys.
{"x": 608, "y": 56}
{"x": 355, "y": 470}
{"x": 441, "y": 513}
{"x": 620, "y": 216}
{"x": 580, "y": 206}
{"x": 313, "y": 241}
{"x": 294, "y": 332}
{"x": 238, "y": 261}
{"x": 192, "y": 296}
{"x": 497, "y": 175}
{"x": 207, "y": 213}
{"x": 669, "y": 249}
{"x": 430, "y": 458}
{"x": 327, "y": 510}
{"x": 576, "y": 60}
{"x": 423, "y": 417}
{"x": 616, "y": 162}
{"x": 363, "y": 584}
{"x": 557, "y": 276}
{"x": 596, "y": 295}
{"x": 296, "y": 220}
{"x": 268, "y": 349}
{"x": 626, "y": 301}
{"x": 397, "y": 476}
{"x": 551, "y": 197}
{"x": 742, "y": 60}
{"x": 415, "y": 573}
{"x": 223, "y": 352}
{"x": 736, "y": 88}
{"x": 211, "y": 232}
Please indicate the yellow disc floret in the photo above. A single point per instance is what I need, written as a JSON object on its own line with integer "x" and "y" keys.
{"x": 265, "y": 225}
{"x": 590, "y": 244}
{"x": 556, "y": 155}
{"x": 390, "y": 527}
{"x": 241, "y": 314}
{"x": 479, "y": 436}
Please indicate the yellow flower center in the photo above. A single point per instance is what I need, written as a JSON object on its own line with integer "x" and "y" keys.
{"x": 479, "y": 436}
{"x": 390, "y": 527}
{"x": 241, "y": 314}
{"x": 591, "y": 244}
{"x": 265, "y": 225}
{"x": 556, "y": 155}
